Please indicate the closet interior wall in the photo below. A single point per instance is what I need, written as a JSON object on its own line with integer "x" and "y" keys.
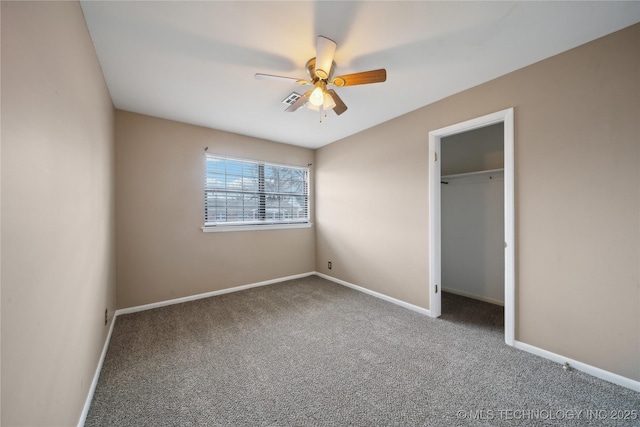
{"x": 473, "y": 214}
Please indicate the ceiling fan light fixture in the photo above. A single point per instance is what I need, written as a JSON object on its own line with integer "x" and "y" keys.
{"x": 317, "y": 96}
{"x": 329, "y": 103}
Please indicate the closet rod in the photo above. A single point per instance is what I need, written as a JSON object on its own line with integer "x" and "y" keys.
{"x": 462, "y": 175}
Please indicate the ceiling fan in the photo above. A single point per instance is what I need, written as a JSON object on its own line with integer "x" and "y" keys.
{"x": 320, "y": 70}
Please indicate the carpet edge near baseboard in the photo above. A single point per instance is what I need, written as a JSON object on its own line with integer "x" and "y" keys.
{"x": 580, "y": 366}
{"x": 96, "y": 376}
{"x": 395, "y": 301}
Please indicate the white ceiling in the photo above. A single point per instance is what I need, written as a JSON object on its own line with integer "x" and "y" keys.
{"x": 195, "y": 62}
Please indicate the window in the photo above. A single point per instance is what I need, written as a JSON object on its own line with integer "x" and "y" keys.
{"x": 248, "y": 193}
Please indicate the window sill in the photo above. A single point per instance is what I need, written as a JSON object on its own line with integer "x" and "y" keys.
{"x": 225, "y": 228}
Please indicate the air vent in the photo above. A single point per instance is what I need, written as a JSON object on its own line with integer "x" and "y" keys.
{"x": 291, "y": 98}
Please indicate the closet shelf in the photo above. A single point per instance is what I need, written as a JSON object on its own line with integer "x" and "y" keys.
{"x": 470, "y": 174}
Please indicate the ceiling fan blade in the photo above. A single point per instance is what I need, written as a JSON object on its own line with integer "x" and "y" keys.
{"x": 363, "y": 78}
{"x": 340, "y": 105}
{"x": 325, "y": 50}
{"x": 299, "y": 102}
{"x": 261, "y": 76}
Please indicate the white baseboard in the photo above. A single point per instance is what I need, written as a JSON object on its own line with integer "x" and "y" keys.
{"x": 591, "y": 370}
{"x": 96, "y": 376}
{"x": 376, "y": 294}
{"x": 472, "y": 296}
{"x": 208, "y": 294}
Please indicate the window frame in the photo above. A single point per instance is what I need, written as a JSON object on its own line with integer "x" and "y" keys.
{"x": 263, "y": 222}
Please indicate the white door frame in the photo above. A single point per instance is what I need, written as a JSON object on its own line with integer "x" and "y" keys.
{"x": 506, "y": 117}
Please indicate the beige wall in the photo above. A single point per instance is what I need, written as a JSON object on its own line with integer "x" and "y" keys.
{"x": 577, "y": 180}
{"x": 162, "y": 252}
{"x": 58, "y": 260}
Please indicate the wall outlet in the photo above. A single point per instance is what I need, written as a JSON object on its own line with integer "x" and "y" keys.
{"x": 329, "y": 265}
{"x": 106, "y": 316}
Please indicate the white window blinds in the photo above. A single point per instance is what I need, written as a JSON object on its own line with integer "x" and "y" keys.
{"x": 243, "y": 192}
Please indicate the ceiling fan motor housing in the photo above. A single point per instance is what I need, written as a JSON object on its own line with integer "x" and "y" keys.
{"x": 311, "y": 70}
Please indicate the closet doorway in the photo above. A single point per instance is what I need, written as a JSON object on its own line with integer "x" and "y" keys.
{"x": 484, "y": 172}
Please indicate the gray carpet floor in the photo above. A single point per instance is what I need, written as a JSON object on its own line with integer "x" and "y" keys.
{"x": 309, "y": 352}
